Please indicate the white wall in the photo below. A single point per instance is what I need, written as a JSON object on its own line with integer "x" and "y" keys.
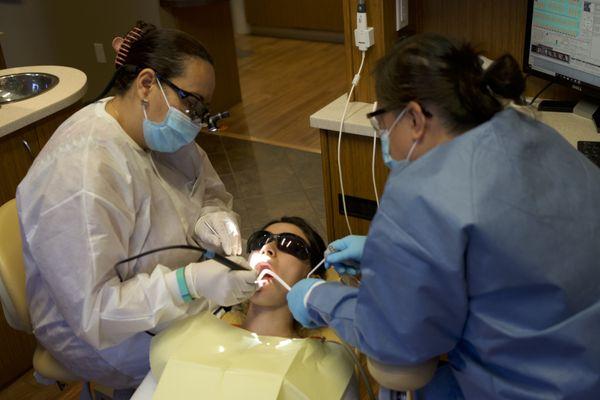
{"x": 28, "y": 38}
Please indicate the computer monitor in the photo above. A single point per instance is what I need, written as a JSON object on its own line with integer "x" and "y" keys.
{"x": 562, "y": 44}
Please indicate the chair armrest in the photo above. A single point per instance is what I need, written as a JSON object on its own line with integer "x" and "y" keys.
{"x": 402, "y": 378}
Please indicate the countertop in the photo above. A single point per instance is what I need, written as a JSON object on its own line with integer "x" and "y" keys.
{"x": 356, "y": 121}
{"x": 571, "y": 126}
{"x": 70, "y": 88}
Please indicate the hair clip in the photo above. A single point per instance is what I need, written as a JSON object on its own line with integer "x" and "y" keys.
{"x": 132, "y": 36}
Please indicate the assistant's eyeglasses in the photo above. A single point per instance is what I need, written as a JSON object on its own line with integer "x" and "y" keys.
{"x": 375, "y": 117}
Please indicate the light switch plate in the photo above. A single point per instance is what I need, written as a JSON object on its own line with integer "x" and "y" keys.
{"x": 100, "y": 55}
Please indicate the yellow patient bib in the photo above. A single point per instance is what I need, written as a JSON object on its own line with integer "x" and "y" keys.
{"x": 206, "y": 358}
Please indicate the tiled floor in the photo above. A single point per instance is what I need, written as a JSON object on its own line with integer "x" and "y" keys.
{"x": 267, "y": 181}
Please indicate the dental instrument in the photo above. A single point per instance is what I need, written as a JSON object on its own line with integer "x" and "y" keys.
{"x": 312, "y": 271}
{"x": 261, "y": 282}
{"x": 209, "y": 226}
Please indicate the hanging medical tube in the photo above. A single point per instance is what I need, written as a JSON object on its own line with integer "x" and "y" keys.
{"x": 205, "y": 253}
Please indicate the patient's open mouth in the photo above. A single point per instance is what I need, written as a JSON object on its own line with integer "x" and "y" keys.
{"x": 262, "y": 266}
{"x": 266, "y": 273}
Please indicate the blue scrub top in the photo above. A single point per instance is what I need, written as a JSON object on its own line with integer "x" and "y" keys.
{"x": 487, "y": 248}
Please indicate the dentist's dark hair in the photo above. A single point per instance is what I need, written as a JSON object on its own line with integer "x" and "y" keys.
{"x": 432, "y": 69}
{"x": 163, "y": 50}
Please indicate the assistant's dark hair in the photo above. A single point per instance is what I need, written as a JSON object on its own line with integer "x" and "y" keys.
{"x": 163, "y": 50}
{"x": 431, "y": 69}
{"x": 315, "y": 242}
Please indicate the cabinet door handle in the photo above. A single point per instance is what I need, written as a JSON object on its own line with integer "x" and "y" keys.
{"x": 28, "y": 148}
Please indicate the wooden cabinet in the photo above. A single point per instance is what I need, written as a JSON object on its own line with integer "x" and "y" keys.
{"x": 17, "y": 152}
{"x": 356, "y": 156}
{"x": 16, "y": 353}
{"x": 19, "y": 149}
{"x": 495, "y": 27}
{"x": 381, "y": 15}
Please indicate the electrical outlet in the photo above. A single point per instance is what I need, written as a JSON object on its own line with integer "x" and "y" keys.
{"x": 100, "y": 55}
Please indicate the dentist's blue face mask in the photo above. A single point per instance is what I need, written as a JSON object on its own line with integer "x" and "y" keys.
{"x": 174, "y": 132}
{"x": 385, "y": 147}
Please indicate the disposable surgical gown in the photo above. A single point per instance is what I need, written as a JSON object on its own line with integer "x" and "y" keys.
{"x": 93, "y": 197}
{"x": 487, "y": 248}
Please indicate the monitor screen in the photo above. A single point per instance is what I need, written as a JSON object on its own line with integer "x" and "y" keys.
{"x": 563, "y": 42}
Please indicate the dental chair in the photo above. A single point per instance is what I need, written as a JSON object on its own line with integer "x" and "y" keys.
{"x": 402, "y": 379}
{"x": 13, "y": 297}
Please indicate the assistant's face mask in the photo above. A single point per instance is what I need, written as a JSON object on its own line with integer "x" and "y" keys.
{"x": 385, "y": 147}
{"x": 174, "y": 132}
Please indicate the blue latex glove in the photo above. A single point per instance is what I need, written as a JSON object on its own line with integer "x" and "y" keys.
{"x": 295, "y": 299}
{"x": 345, "y": 254}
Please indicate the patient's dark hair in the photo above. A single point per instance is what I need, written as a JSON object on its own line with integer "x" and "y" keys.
{"x": 431, "y": 69}
{"x": 315, "y": 242}
{"x": 163, "y": 50}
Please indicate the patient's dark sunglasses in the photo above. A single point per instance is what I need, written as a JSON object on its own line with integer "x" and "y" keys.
{"x": 286, "y": 242}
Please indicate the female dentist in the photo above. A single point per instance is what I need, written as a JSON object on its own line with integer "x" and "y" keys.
{"x": 120, "y": 177}
{"x": 486, "y": 246}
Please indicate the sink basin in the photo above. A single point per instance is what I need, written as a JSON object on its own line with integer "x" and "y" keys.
{"x": 23, "y": 86}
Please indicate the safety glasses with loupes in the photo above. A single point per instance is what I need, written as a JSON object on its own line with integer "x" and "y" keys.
{"x": 196, "y": 109}
{"x": 285, "y": 242}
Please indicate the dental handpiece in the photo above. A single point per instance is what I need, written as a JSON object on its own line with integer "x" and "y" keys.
{"x": 224, "y": 260}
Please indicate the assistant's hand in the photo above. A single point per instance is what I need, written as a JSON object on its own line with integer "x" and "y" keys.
{"x": 296, "y": 301}
{"x": 347, "y": 254}
{"x": 224, "y": 234}
{"x": 218, "y": 283}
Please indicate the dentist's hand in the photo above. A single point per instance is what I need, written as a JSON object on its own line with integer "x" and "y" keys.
{"x": 297, "y": 297}
{"x": 345, "y": 254}
{"x": 220, "y": 230}
{"x": 218, "y": 283}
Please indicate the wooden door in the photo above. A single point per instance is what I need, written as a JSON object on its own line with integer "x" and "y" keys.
{"x": 319, "y": 15}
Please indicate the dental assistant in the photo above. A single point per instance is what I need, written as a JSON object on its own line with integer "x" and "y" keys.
{"x": 120, "y": 177}
{"x": 486, "y": 246}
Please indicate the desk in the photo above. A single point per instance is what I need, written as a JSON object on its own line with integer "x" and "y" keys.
{"x": 356, "y": 153}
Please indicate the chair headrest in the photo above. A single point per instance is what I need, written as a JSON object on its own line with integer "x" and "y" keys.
{"x": 12, "y": 270}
